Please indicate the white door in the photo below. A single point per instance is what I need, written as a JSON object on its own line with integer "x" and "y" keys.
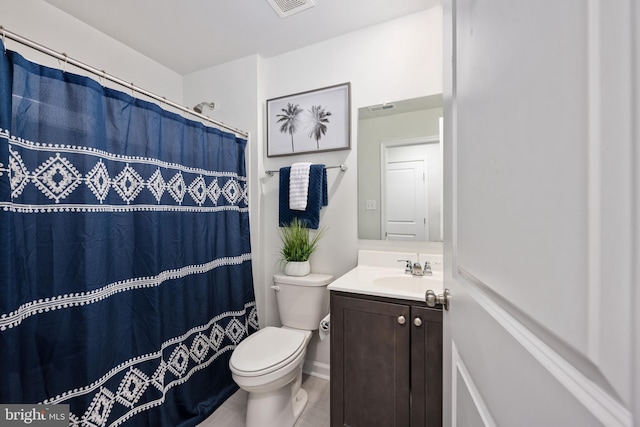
{"x": 405, "y": 209}
{"x": 541, "y": 219}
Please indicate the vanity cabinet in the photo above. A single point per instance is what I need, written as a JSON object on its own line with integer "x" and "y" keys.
{"x": 386, "y": 362}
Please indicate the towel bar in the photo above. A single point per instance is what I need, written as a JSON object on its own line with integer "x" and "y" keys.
{"x": 343, "y": 167}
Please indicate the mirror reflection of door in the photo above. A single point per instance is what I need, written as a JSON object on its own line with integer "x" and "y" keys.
{"x": 408, "y": 122}
{"x": 410, "y": 189}
{"x": 405, "y": 199}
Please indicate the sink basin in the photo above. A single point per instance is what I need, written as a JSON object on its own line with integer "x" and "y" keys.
{"x": 382, "y": 280}
{"x": 407, "y": 283}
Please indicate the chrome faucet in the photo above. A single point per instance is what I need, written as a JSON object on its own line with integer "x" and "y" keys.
{"x": 415, "y": 269}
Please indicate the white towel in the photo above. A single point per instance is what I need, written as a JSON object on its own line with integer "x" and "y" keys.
{"x": 299, "y": 186}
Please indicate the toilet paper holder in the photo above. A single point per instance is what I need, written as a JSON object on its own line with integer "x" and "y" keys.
{"x": 325, "y": 327}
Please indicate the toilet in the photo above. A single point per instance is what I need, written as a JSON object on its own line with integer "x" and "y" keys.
{"x": 268, "y": 364}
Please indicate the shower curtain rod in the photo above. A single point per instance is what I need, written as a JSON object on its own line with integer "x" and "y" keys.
{"x": 101, "y": 73}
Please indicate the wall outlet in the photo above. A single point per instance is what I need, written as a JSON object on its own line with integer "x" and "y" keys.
{"x": 371, "y": 205}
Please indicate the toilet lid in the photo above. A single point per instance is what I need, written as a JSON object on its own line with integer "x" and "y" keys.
{"x": 267, "y": 350}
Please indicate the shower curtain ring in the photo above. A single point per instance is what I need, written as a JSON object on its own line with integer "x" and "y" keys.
{"x": 101, "y": 76}
{"x": 4, "y": 37}
{"x": 66, "y": 58}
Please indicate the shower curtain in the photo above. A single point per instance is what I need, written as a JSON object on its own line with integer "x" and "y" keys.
{"x": 125, "y": 262}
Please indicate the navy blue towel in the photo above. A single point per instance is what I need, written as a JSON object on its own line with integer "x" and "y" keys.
{"x": 318, "y": 197}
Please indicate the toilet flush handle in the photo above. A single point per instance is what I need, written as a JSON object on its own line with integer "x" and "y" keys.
{"x": 275, "y": 288}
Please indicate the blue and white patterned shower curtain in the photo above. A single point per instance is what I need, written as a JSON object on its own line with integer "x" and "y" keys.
{"x": 125, "y": 262}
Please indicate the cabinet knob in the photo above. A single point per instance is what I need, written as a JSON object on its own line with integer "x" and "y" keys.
{"x": 417, "y": 321}
{"x": 402, "y": 320}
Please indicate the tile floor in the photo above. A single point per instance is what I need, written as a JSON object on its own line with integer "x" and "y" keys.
{"x": 316, "y": 414}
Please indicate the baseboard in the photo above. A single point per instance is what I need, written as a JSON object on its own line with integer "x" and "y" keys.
{"x": 316, "y": 369}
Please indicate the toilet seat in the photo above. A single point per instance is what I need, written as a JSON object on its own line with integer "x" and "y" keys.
{"x": 266, "y": 351}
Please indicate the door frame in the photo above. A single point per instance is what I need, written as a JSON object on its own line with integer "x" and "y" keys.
{"x": 384, "y": 147}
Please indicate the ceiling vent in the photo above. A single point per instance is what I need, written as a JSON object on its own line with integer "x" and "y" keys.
{"x": 380, "y": 107}
{"x": 286, "y": 8}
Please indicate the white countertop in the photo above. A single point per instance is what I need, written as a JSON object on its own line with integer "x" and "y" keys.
{"x": 375, "y": 275}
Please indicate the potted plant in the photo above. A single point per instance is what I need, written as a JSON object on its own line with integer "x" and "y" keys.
{"x": 297, "y": 247}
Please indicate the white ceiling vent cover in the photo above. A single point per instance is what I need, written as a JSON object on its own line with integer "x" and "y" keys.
{"x": 286, "y": 8}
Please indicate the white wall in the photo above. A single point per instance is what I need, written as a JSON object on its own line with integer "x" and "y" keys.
{"x": 40, "y": 22}
{"x": 395, "y": 60}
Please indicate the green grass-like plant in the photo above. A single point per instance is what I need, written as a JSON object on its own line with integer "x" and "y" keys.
{"x": 297, "y": 242}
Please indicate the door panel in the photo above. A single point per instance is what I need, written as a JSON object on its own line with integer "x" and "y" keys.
{"x": 467, "y": 413}
{"x": 515, "y": 379}
{"x": 405, "y": 194}
{"x": 538, "y": 144}
{"x": 508, "y": 186}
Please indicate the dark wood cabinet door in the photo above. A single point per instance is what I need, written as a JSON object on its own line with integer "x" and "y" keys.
{"x": 426, "y": 367}
{"x": 370, "y": 384}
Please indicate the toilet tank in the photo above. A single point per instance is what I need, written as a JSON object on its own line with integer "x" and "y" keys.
{"x": 302, "y": 301}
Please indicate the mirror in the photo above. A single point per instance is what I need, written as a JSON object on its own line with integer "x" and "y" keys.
{"x": 400, "y": 170}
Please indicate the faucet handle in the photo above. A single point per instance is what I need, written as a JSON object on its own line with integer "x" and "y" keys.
{"x": 427, "y": 268}
{"x": 407, "y": 267}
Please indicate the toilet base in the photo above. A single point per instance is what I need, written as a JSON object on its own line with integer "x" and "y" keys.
{"x": 276, "y": 408}
{"x": 299, "y": 403}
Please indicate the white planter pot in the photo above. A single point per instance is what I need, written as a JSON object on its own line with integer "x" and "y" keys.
{"x": 297, "y": 268}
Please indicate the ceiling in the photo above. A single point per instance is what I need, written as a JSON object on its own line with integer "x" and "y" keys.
{"x": 192, "y": 35}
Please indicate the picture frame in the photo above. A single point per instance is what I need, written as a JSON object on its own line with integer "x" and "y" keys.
{"x": 314, "y": 121}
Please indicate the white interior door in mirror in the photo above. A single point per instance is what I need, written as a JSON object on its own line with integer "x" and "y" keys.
{"x": 539, "y": 209}
{"x": 405, "y": 198}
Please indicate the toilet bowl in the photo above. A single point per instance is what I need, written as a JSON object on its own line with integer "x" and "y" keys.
{"x": 269, "y": 367}
{"x": 268, "y": 364}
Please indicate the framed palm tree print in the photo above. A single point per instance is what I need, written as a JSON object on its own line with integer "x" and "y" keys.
{"x": 309, "y": 122}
